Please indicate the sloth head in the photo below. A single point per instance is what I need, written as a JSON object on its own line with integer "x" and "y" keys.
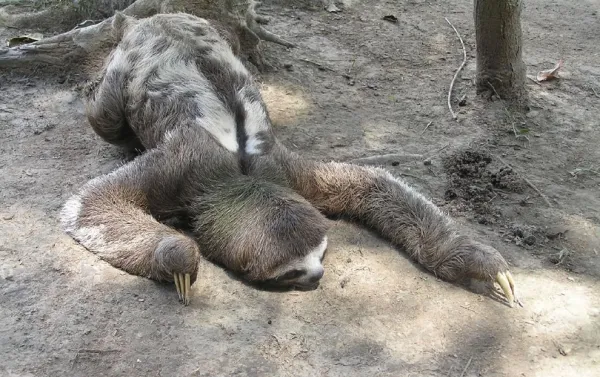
{"x": 264, "y": 232}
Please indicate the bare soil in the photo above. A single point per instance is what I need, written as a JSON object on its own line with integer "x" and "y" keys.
{"x": 355, "y": 87}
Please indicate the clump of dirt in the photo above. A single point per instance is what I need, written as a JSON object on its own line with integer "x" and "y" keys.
{"x": 473, "y": 183}
{"x": 523, "y": 235}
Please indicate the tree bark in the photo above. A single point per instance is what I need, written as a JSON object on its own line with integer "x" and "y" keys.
{"x": 500, "y": 66}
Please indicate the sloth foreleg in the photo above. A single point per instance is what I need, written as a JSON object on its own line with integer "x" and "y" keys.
{"x": 400, "y": 214}
{"x": 111, "y": 217}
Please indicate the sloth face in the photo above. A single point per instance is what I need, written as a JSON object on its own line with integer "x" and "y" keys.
{"x": 302, "y": 273}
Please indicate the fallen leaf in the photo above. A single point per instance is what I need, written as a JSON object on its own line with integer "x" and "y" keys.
{"x": 24, "y": 39}
{"x": 390, "y": 18}
{"x": 550, "y": 74}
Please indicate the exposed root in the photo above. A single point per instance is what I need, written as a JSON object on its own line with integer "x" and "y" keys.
{"x": 253, "y": 23}
{"x": 71, "y": 45}
{"x": 82, "y": 41}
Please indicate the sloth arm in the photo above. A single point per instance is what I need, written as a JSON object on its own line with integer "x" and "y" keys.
{"x": 111, "y": 217}
{"x": 398, "y": 213}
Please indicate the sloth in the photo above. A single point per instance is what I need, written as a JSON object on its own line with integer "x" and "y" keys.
{"x": 211, "y": 181}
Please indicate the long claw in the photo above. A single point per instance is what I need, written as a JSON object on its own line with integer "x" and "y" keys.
{"x": 507, "y": 284}
{"x": 176, "y": 279}
{"x": 188, "y": 289}
{"x": 181, "y": 286}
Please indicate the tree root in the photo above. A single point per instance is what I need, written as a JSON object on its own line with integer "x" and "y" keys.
{"x": 252, "y": 22}
{"x": 81, "y": 42}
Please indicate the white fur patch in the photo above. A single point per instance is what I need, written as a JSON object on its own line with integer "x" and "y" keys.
{"x": 70, "y": 213}
{"x": 312, "y": 261}
{"x": 256, "y": 121}
{"x": 91, "y": 237}
{"x": 222, "y": 53}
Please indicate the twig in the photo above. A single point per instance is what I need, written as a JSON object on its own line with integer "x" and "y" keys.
{"x": 595, "y": 92}
{"x": 426, "y": 127}
{"x": 466, "y": 307}
{"x": 410, "y": 175}
{"x": 466, "y": 367}
{"x": 436, "y": 152}
{"x": 319, "y": 65}
{"x": 540, "y": 193}
{"x": 458, "y": 70}
{"x": 385, "y": 157}
{"x": 351, "y": 67}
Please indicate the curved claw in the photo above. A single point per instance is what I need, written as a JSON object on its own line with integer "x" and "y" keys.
{"x": 183, "y": 286}
{"x": 506, "y": 282}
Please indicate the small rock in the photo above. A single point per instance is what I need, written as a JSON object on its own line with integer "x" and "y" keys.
{"x": 343, "y": 282}
{"x": 530, "y": 240}
{"x": 140, "y": 299}
{"x": 331, "y": 8}
{"x": 556, "y": 231}
{"x": 8, "y": 217}
{"x": 269, "y": 322}
{"x": 390, "y": 18}
{"x": 371, "y": 86}
{"x": 564, "y": 350}
{"x": 570, "y": 279}
{"x": 87, "y": 332}
{"x": 288, "y": 66}
{"x": 427, "y": 162}
{"x": 533, "y": 114}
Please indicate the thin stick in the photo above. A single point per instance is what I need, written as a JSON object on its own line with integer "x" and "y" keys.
{"x": 466, "y": 367}
{"x": 426, "y": 127}
{"x": 540, "y": 193}
{"x": 466, "y": 307}
{"x": 458, "y": 70}
{"x": 318, "y": 65}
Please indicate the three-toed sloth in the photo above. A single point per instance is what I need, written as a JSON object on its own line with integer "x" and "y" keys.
{"x": 214, "y": 183}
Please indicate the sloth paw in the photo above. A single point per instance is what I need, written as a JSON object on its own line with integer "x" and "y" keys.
{"x": 483, "y": 262}
{"x": 480, "y": 262}
{"x": 177, "y": 258}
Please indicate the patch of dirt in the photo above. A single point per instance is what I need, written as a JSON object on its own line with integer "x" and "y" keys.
{"x": 473, "y": 184}
{"x": 357, "y": 88}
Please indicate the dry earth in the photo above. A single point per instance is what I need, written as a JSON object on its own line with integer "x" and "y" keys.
{"x": 356, "y": 86}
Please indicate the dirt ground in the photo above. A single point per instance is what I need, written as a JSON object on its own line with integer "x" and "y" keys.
{"x": 356, "y": 88}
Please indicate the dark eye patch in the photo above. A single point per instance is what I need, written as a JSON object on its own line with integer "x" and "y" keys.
{"x": 292, "y": 274}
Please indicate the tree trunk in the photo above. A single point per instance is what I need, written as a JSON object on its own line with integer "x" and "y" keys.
{"x": 500, "y": 66}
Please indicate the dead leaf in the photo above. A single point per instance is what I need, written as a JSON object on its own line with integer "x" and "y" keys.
{"x": 390, "y": 18}
{"x": 24, "y": 39}
{"x": 550, "y": 74}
